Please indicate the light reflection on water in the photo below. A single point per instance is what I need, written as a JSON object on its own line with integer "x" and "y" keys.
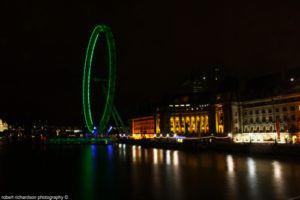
{"x": 173, "y": 174}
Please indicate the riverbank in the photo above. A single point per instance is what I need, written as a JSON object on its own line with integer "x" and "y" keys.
{"x": 221, "y": 146}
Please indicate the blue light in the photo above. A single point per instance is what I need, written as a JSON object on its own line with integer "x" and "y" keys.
{"x": 110, "y": 151}
{"x": 180, "y": 137}
{"x": 95, "y": 127}
{"x": 94, "y": 150}
{"x": 109, "y": 129}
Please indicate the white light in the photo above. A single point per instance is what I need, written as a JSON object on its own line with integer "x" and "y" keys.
{"x": 204, "y": 77}
{"x": 230, "y": 163}
{"x": 155, "y": 156}
{"x": 182, "y": 105}
{"x": 171, "y": 106}
{"x": 167, "y": 134}
{"x": 187, "y": 105}
{"x": 292, "y": 79}
{"x": 133, "y": 153}
{"x": 251, "y": 167}
{"x": 175, "y": 135}
{"x": 277, "y": 170}
{"x": 175, "y": 158}
{"x": 168, "y": 157}
{"x": 177, "y": 105}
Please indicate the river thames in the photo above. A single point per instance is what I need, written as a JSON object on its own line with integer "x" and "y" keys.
{"x": 122, "y": 171}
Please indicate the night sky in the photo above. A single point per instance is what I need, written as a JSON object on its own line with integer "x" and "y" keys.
{"x": 159, "y": 44}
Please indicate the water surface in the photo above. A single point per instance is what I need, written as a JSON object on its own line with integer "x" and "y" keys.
{"x": 131, "y": 172}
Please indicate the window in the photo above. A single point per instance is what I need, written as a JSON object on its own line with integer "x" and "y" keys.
{"x": 257, "y": 120}
{"x": 263, "y": 119}
{"x": 270, "y": 110}
{"x": 251, "y": 111}
{"x": 270, "y": 119}
{"x": 251, "y": 120}
{"x": 257, "y": 112}
{"x": 245, "y": 121}
{"x": 263, "y": 111}
{"x": 277, "y": 109}
{"x": 285, "y": 118}
{"x": 245, "y": 113}
{"x": 284, "y": 109}
{"x": 292, "y": 108}
{"x": 277, "y": 117}
{"x": 235, "y": 121}
{"x": 293, "y": 117}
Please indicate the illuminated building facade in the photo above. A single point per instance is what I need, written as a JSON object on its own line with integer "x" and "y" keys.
{"x": 268, "y": 119}
{"x": 216, "y": 105}
{"x": 186, "y": 119}
{"x": 3, "y": 126}
{"x": 143, "y": 126}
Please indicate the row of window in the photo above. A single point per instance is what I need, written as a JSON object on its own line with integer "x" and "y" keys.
{"x": 263, "y": 129}
{"x": 263, "y": 111}
{"x": 272, "y": 102}
{"x": 257, "y": 120}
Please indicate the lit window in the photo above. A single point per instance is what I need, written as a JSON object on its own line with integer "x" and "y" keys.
{"x": 170, "y": 105}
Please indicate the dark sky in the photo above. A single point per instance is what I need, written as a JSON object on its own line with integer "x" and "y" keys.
{"x": 159, "y": 44}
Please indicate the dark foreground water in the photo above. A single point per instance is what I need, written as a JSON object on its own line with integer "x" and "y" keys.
{"x": 131, "y": 172}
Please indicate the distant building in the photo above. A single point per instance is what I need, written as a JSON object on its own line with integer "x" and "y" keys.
{"x": 259, "y": 119}
{"x": 143, "y": 126}
{"x": 3, "y": 126}
{"x": 267, "y": 109}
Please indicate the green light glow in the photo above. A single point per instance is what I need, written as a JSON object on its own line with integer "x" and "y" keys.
{"x": 111, "y": 83}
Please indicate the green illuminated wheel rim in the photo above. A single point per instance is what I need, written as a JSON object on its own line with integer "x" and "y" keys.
{"x": 111, "y": 80}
